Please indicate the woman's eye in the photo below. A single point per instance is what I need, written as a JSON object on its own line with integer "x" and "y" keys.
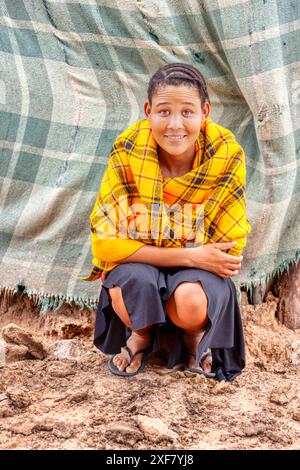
{"x": 187, "y": 113}
{"x": 164, "y": 112}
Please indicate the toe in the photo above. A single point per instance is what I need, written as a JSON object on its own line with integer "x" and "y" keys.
{"x": 120, "y": 362}
{"x": 122, "y": 365}
{"x": 207, "y": 366}
{"x": 135, "y": 364}
{"x": 116, "y": 360}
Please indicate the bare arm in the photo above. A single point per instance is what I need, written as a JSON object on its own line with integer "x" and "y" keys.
{"x": 210, "y": 257}
{"x": 159, "y": 256}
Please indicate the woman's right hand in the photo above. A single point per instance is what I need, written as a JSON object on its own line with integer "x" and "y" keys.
{"x": 211, "y": 257}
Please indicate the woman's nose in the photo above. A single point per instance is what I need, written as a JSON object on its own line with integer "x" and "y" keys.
{"x": 175, "y": 122}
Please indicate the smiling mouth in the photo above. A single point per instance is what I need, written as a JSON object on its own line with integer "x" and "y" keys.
{"x": 175, "y": 138}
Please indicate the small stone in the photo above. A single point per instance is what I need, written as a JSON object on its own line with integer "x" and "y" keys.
{"x": 296, "y": 414}
{"x": 278, "y": 412}
{"x": 19, "y": 397}
{"x": 254, "y": 430}
{"x": 60, "y": 370}
{"x": 67, "y": 349}
{"x": 62, "y": 430}
{"x": 59, "y": 429}
{"x": 43, "y": 424}
{"x": 222, "y": 387}
{"x": 281, "y": 438}
{"x": 123, "y": 432}
{"x": 10, "y": 352}
{"x": 25, "y": 429}
{"x": 200, "y": 379}
{"x": 155, "y": 429}
{"x": 15, "y": 352}
{"x": 14, "y": 334}
{"x": 5, "y": 411}
{"x": 195, "y": 377}
{"x": 282, "y": 395}
{"x": 78, "y": 396}
{"x": 5, "y": 408}
{"x": 179, "y": 374}
{"x": 167, "y": 380}
{"x": 3, "y": 397}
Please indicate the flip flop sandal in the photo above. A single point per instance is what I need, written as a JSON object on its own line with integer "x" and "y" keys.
{"x": 210, "y": 375}
{"x": 122, "y": 373}
{"x": 165, "y": 371}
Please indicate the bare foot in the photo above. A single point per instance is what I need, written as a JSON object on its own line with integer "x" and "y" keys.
{"x": 140, "y": 339}
{"x": 191, "y": 339}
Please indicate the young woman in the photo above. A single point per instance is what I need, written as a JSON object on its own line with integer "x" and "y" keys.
{"x": 163, "y": 271}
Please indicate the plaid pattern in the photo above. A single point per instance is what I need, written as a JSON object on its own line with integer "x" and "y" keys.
{"x": 216, "y": 183}
{"x": 74, "y": 76}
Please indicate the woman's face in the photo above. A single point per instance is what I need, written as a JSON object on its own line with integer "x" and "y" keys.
{"x": 176, "y": 116}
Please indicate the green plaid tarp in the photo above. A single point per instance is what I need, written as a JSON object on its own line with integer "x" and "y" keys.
{"x": 74, "y": 75}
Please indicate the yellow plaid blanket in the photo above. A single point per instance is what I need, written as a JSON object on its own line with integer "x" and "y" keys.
{"x": 136, "y": 205}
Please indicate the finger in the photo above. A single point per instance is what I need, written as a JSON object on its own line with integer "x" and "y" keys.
{"x": 233, "y": 272}
{"x": 233, "y": 259}
{"x": 230, "y": 272}
{"x": 233, "y": 266}
{"x": 224, "y": 246}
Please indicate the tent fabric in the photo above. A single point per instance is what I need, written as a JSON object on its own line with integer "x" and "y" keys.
{"x": 74, "y": 75}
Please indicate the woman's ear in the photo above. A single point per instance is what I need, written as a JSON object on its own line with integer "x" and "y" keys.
{"x": 147, "y": 109}
{"x": 206, "y": 109}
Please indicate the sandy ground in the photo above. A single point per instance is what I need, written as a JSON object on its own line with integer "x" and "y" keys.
{"x": 75, "y": 403}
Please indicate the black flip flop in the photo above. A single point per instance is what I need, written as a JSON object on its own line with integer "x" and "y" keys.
{"x": 209, "y": 375}
{"x": 122, "y": 373}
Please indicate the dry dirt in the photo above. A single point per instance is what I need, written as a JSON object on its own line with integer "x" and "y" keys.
{"x": 76, "y": 403}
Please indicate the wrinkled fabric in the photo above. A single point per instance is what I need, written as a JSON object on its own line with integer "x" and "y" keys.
{"x": 146, "y": 290}
{"x": 74, "y": 75}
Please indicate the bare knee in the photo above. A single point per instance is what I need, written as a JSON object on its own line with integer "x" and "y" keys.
{"x": 116, "y": 297}
{"x": 191, "y": 304}
{"x": 118, "y": 305}
{"x": 190, "y": 294}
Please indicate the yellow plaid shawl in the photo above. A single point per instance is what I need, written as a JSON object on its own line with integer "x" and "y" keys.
{"x": 216, "y": 182}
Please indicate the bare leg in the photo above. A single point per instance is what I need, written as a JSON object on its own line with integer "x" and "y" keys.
{"x": 139, "y": 339}
{"x": 187, "y": 308}
{"x": 191, "y": 339}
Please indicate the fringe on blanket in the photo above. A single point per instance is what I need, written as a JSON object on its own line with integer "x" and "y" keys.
{"x": 46, "y": 302}
{"x": 262, "y": 280}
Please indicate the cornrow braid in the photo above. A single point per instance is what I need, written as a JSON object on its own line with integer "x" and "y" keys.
{"x": 177, "y": 74}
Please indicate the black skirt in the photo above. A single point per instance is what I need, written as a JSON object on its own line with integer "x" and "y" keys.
{"x": 146, "y": 290}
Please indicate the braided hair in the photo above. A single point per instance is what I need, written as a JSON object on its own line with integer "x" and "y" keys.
{"x": 177, "y": 74}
